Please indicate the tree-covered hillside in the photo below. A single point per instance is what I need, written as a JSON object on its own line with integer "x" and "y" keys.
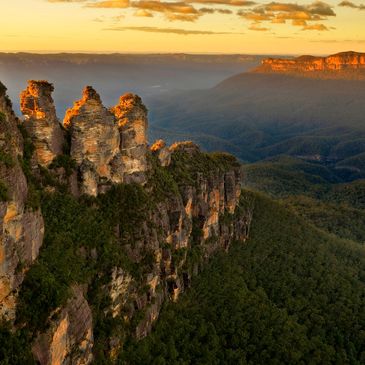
{"x": 315, "y": 192}
{"x": 291, "y": 294}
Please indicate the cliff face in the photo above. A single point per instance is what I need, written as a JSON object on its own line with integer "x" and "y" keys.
{"x": 205, "y": 214}
{"x": 342, "y": 65}
{"x": 110, "y": 262}
{"x": 41, "y": 122}
{"x": 21, "y": 228}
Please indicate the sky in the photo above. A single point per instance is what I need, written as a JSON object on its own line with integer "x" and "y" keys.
{"x": 191, "y": 26}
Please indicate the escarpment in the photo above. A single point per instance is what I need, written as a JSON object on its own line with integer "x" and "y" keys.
{"x": 342, "y": 65}
{"x": 139, "y": 225}
{"x": 21, "y": 224}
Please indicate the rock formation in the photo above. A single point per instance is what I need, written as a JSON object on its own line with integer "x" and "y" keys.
{"x": 183, "y": 206}
{"x": 41, "y": 122}
{"x": 95, "y": 142}
{"x": 132, "y": 122}
{"x": 341, "y": 65}
{"x": 163, "y": 153}
{"x": 108, "y": 146}
{"x": 21, "y": 228}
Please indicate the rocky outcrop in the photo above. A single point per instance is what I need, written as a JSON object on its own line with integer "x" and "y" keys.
{"x": 95, "y": 142}
{"x": 41, "y": 122}
{"x": 131, "y": 115}
{"x": 69, "y": 340}
{"x": 341, "y": 65}
{"x": 163, "y": 153}
{"x": 21, "y": 229}
{"x": 108, "y": 146}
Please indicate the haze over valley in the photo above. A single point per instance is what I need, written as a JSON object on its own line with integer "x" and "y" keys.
{"x": 146, "y": 74}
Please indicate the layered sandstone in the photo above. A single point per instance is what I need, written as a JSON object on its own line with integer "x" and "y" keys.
{"x": 40, "y": 120}
{"x": 95, "y": 142}
{"x": 341, "y": 65}
{"x": 21, "y": 229}
{"x": 131, "y": 115}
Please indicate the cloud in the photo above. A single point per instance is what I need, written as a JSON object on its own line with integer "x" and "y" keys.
{"x": 307, "y": 16}
{"x": 298, "y": 15}
{"x": 224, "y": 11}
{"x": 181, "y": 17}
{"x": 350, "y": 4}
{"x": 258, "y": 28}
{"x": 160, "y": 6}
{"x": 207, "y": 10}
{"x": 172, "y": 10}
{"x": 318, "y": 27}
{"x": 66, "y": 1}
{"x": 178, "y": 31}
{"x": 213, "y": 10}
{"x": 224, "y": 2}
{"x": 143, "y": 13}
{"x": 113, "y": 4}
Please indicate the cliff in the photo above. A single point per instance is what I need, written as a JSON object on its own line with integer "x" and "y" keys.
{"x": 126, "y": 226}
{"x": 345, "y": 65}
{"x": 21, "y": 225}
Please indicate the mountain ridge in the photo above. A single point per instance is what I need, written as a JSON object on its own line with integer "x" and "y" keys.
{"x": 346, "y": 65}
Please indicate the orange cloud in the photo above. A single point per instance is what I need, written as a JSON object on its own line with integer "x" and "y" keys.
{"x": 258, "y": 28}
{"x": 299, "y": 15}
{"x": 160, "y": 6}
{"x": 184, "y": 10}
{"x": 350, "y": 4}
{"x": 318, "y": 27}
{"x": 177, "y": 31}
{"x": 114, "y": 4}
{"x": 224, "y": 2}
{"x": 181, "y": 17}
{"x": 143, "y": 13}
{"x": 66, "y": 1}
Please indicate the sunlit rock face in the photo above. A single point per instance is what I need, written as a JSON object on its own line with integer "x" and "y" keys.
{"x": 341, "y": 65}
{"x": 21, "y": 229}
{"x": 131, "y": 115}
{"x": 95, "y": 142}
{"x": 41, "y": 122}
{"x": 69, "y": 339}
{"x": 109, "y": 146}
{"x": 163, "y": 153}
